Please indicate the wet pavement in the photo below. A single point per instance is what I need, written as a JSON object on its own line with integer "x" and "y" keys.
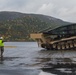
{"x": 19, "y": 72}
{"x": 25, "y": 58}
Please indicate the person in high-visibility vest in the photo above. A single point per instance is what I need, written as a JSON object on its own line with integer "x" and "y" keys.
{"x": 1, "y": 46}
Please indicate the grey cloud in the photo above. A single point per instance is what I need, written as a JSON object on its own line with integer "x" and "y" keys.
{"x": 63, "y": 9}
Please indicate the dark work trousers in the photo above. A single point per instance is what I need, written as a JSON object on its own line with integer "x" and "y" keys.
{"x": 2, "y": 50}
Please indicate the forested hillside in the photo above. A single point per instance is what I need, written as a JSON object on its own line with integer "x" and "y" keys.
{"x": 15, "y": 26}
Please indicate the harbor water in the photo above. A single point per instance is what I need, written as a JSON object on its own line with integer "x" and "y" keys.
{"x": 26, "y": 58}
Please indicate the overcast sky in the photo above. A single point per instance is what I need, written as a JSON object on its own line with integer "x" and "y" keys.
{"x": 62, "y": 9}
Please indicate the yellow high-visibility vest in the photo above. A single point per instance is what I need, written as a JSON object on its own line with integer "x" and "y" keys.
{"x": 1, "y": 43}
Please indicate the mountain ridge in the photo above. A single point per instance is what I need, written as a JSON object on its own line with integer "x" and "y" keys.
{"x": 16, "y": 26}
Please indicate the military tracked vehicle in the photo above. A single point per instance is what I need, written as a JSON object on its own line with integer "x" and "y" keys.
{"x": 59, "y": 38}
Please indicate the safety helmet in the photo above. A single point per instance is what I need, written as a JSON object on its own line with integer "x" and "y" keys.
{"x": 1, "y": 37}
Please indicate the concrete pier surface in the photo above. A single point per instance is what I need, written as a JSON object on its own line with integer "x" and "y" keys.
{"x": 26, "y": 58}
{"x": 19, "y": 72}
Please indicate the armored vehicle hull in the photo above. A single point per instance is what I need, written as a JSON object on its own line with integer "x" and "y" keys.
{"x": 61, "y": 38}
